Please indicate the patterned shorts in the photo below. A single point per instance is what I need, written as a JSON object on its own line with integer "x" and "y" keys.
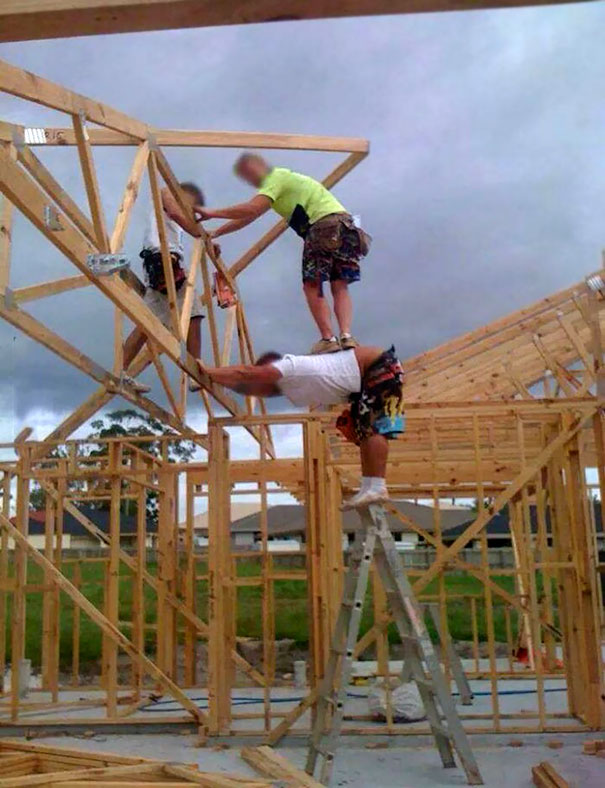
{"x": 332, "y": 251}
{"x": 378, "y": 408}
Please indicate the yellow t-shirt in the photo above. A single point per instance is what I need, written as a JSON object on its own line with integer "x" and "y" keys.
{"x": 287, "y": 190}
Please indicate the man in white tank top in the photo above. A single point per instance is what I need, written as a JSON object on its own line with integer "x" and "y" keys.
{"x": 369, "y": 378}
{"x": 176, "y": 223}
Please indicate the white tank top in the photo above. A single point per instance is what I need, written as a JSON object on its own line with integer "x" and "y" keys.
{"x": 174, "y": 234}
{"x": 319, "y": 380}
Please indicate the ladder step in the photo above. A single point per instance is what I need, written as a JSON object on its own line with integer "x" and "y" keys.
{"x": 422, "y": 668}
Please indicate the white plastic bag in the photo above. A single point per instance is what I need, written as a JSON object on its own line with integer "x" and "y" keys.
{"x": 406, "y": 703}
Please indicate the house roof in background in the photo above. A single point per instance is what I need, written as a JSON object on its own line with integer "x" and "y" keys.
{"x": 238, "y": 511}
{"x": 289, "y": 519}
{"x": 499, "y": 524}
{"x": 100, "y": 517}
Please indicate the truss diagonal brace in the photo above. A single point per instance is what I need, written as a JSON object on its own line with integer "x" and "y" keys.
{"x": 514, "y": 487}
{"x": 98, "y": 618}
{"x": 27, "y": 196}
{"x": 192, "y": 618}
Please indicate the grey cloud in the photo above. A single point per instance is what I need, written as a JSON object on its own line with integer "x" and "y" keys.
{"x": 483, "y": 190}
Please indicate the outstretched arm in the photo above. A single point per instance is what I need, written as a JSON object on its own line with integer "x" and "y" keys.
{"x": 239, "y": 215}
{"x": 230, "y": 227}
{"x": 258, "y": 381}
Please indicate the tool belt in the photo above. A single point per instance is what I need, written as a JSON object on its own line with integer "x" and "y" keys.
{"x": 154, "y": 270}
{"x": 337, "y": 232}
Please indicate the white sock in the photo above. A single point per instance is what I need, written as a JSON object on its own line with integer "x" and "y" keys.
{"x": 366, "y": 483}
{"x": 377, "y": 484}
{"x": 345, "y": 335}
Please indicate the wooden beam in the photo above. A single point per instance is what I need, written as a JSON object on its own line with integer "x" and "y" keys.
{"x": 52, "y": 187}
{"x": 6, "y": 230}
{"x": 269, "y": 763}
{"x": 131, "y": 193}
{"x": 43, "y": 289}
{"x": 152, "y": 582}
{"x": 25, "y": 194}
{"x": 157, "y": 362}
{"x": 544, "y": 775}
{"x": 30, "y": 86}
{"x": 176, "y": 138}
{"x": 22, "y": 20}
{"x": 152, "y": 172}
{"x": 89, "y": 173}
{"x": 513, "y": 488}
{"x": 98, "y": 618}
{"x": 86, "y": 774}
{"x": 54, "y": 287}
{"x": 33, "y": 328}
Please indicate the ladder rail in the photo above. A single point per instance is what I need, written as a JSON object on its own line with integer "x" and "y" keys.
{"x": 333, "y": 693}
{"x": 421, "y": 663}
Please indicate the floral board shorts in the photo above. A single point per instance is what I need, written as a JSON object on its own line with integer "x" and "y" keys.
{"x": 333, "y": 249}
{"x": 378, "y": 408}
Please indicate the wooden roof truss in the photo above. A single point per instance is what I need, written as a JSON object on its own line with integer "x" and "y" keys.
{"x": 28, "y": 186}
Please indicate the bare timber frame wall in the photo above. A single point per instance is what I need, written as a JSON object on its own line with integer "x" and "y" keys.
{"x": 526, "y": 446}
{"x": 185, "y": 599}
{"x": 30, "y": 188}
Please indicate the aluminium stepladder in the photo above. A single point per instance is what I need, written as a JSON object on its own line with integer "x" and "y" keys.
{"x": 445, "y": 646}
{"x": 375, "y": 542}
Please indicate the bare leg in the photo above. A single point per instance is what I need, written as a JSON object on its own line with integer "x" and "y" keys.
{"x": 374, "y": 455}
{"x": 134, "y": 342}
{"x": 194, "y": 337}
{"x": 319, "y": 309}
{"x": 343, "y": 306}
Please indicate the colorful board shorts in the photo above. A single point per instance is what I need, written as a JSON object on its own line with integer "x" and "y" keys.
{"x": 333, "y": 249}
{"x": 378, "y": 408}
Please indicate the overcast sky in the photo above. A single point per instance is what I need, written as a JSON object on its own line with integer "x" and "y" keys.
{"x": 483, "y": 190}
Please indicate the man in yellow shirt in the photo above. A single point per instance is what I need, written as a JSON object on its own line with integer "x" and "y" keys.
{"x": 333, "y": 244}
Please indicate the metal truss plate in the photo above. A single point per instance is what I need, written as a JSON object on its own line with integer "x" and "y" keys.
{"x": 107, "y": 264}
{"x": 596, "y": 284}
{"x": 52, "y": 218}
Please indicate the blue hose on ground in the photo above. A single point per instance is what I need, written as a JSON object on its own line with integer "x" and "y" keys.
{"x": 158, "y": 705}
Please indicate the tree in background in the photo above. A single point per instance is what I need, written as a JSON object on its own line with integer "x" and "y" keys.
{"x": 123, "y": 424}
{"x": 131, "y": 423}
{"x": 37, "y": 496}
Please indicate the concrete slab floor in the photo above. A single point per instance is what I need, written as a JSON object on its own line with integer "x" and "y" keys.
{"x": 401, "y": 765}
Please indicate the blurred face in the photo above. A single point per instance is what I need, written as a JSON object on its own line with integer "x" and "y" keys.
{"x": 252, "y": 171}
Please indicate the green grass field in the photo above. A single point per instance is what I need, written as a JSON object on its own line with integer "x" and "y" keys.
{"x": 291, "y": 618}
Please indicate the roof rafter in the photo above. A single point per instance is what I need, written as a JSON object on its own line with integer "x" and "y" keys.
{"x": 28, "y": 185}
{"x": 23, "y": 19}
